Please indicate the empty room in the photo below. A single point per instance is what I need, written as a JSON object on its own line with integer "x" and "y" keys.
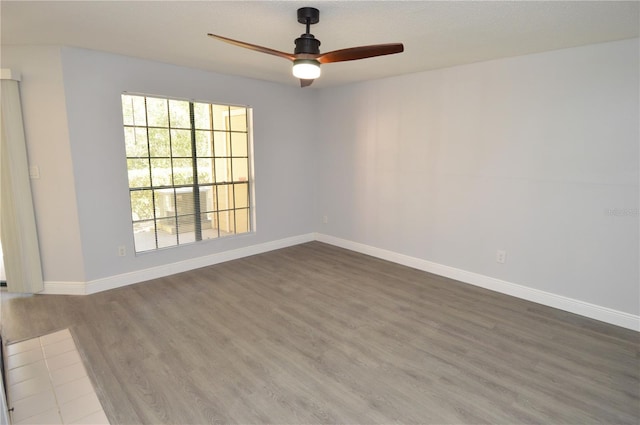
{"x": 328, "y": 212}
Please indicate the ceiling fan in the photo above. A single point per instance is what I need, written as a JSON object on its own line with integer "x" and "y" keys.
{"x": 307, "y": 58}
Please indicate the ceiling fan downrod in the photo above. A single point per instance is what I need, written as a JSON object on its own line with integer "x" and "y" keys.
{"x": 307, "y": 43}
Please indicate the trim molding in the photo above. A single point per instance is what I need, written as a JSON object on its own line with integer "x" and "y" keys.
{"x": 64, "y": 288}
{"x": 124, "y": 279}
{"x": 593, "y": 311}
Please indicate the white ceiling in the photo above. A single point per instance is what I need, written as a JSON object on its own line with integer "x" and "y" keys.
{"x": 435, "y": 34}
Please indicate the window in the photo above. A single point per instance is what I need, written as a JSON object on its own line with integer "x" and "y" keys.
{"x": 188, "y": 166}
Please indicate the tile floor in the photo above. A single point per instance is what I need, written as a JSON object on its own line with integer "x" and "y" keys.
{"x": 48, "y": 384}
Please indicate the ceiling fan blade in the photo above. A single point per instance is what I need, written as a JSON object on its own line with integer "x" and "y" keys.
{"x": 305, "y": 83}
{"x": 254, "y": 47}
{"x": 361, "y": 52}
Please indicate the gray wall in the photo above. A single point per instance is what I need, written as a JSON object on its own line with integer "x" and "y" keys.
{"x": 93, "y": 83}
{"x": 525, "y": 154}
{"x": 73, "y": 121}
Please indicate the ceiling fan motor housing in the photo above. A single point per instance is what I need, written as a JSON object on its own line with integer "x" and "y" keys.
{"x": 307, "y": 43}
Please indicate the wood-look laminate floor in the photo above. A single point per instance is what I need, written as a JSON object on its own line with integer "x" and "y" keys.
{"x": 317, "y": 334}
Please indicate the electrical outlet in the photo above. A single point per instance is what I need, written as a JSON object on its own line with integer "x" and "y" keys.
{"x": 34, "y": 172}
{"x": 325, "y": 219}
{"x": 122, "y": 251}
{"x": 501, "y": 256}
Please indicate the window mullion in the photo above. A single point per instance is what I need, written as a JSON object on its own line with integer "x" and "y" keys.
{"x": 196, "y": 187}
{"x": 233, "y": 183}
{"x": 153, "y": 192}
{"x": 213, "y": 168}
{"x": 173, "y": 182}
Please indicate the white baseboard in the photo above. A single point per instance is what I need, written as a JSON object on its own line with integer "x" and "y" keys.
{"x": 582, "y": 308}
{"x": 64, "y": 288}
{"x": 124, "y": 279}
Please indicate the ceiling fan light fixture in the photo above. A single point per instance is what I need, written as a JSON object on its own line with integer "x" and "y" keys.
{"x": 306, "y": 69}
